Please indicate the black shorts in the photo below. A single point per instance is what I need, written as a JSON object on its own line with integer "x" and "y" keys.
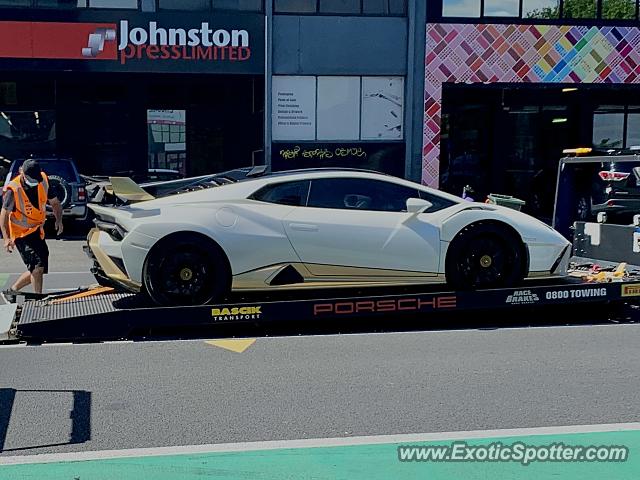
{"x": 34, "y": 251}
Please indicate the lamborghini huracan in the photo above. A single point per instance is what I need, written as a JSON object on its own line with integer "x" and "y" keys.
{"x": 315, "y": 229}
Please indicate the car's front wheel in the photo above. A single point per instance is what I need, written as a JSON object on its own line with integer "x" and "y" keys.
{"x": 186, "y": 269}
{"x": 485, "y": 256}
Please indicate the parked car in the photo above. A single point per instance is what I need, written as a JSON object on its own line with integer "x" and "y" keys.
{"x": 63, "y": 173}
{"x": 313, "y": 229}
{"x": 607, "y": 184}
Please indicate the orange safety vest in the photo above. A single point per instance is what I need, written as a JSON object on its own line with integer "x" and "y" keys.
{"x": 27, "y": 218}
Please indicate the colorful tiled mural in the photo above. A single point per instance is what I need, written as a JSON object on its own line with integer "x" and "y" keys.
{"x": 519, "y": 53}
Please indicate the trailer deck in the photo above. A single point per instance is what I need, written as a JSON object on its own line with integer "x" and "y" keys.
{"x": 102, "y": 314}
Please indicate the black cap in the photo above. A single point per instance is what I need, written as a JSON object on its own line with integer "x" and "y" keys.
{"x": 32, "y": 170}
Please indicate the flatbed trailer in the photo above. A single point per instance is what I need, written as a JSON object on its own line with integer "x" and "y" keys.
{"x": 103, "y": 314}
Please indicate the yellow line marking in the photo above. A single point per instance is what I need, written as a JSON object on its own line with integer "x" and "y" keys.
{"x": 237, "y": 345}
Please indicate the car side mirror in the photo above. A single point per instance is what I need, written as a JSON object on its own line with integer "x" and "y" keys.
{"x": 418, "y": 205}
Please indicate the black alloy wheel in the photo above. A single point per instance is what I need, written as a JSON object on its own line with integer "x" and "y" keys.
{"x": 187, "y": 273}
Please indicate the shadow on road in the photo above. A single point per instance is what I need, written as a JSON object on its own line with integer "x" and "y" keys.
{"x": 80, "y": 416}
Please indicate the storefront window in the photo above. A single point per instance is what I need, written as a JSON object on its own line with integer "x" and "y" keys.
{"x": 113, "y": 3}
{"x": 382, "y": 108}
{"x": 619, "y": 9}
{"x": 244, "y": 5}
{"x": 184, "y": 4}
{"x": 608, "y": 127}
{"x": 633, "y": 128}
{"x": 27, "y": 132}
{"x": 461, "y": 8}
{"x": 354, "y": 7}
{"x": 15, "y": 3}
{"x": 62, "y": 3}
{"x": 501, "y": 8}
{"x": 540, "y": 9}
{"x": 167, "y": 142}
{"x": 338, "y": 108}
{"x": 339, "y": 6}
{"x": 579, "y": 9}
{"x": 384, "y": 7}
{"x": 295, "y": 6}
{"x": 397, "y": 7}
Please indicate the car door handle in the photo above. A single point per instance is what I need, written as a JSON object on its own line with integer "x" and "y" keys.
{"x": 303, "y": 227}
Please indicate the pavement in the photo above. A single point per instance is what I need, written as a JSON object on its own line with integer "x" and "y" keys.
{"x": 129, "y": 395}
{"x": 371, "y": 458}
{"x": 92, "y": 399}
{"x": 68, "y": 265}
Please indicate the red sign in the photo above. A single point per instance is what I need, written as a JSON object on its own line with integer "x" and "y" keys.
{"x": 82, "y": 41}
{"x": 167, "y": 43}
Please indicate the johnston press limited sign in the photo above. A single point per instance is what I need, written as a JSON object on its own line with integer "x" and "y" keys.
{"x": 175, "y": 43}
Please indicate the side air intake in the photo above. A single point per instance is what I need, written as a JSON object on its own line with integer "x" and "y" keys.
{"x": 287, "y": 276}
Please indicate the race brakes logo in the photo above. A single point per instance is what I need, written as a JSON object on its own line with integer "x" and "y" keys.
{"x": 236, "y": 313}
{"x": 203, "y": 43}
{"x": 631, "y": 290}
{"x": 522, "y": 297}
{"x": 414, "y": 304}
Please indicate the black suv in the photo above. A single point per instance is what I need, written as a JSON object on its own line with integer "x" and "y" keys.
{"x": 63, "y": 172}
{"x": 616, "y": 189}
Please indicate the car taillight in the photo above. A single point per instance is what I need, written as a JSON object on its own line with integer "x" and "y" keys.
{"x": 611, "y": 176}
{"x": 82, "y": 193}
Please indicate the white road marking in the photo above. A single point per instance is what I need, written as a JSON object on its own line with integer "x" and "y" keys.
{"x": 316, "y": 442}
{"x": 66, "y": 289}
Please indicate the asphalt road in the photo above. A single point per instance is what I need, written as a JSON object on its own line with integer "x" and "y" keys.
{"x": 112, "y": 396}
{"x": 66, "y": 255}
{"x": 57, "y": 398}
{"x": 68, "y": 265}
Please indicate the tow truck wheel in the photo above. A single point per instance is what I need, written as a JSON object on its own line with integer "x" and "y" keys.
{"x": 186, "y": 269}
{"x": 485, "y": 256}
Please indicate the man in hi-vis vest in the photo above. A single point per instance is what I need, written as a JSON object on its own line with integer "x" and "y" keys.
{"x": 22, "y": 218}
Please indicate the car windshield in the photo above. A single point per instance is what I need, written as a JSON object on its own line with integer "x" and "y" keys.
{"x": 61, "y": 168}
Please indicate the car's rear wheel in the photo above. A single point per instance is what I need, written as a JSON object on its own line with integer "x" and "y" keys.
{"x": 186, "y": 269}
{"x": 485, "y": 256}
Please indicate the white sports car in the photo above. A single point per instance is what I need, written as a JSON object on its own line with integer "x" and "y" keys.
{"x": 316, "y": 228}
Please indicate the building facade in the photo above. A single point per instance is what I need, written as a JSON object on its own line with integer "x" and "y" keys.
{"x": 509, "y": 84}
{"x": 341, "y": 93}
{"x": 484, "y": 93}
{"x": 130, "y": 85}
{"x": 123, "y": 86}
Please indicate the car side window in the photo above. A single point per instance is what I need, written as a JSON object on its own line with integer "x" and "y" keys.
{"x": 287, "y": 193}
{"x": 438, "y": 203}
{"x": 360, "y": 194}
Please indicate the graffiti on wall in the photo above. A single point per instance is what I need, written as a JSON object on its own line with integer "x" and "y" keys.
{"x": 460, "y": 53}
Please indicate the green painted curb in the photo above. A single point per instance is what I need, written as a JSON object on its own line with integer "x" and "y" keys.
{"x": 371, "y": 462}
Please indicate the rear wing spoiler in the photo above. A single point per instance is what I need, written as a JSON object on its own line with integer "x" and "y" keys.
{"x": 126, "y": 189}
